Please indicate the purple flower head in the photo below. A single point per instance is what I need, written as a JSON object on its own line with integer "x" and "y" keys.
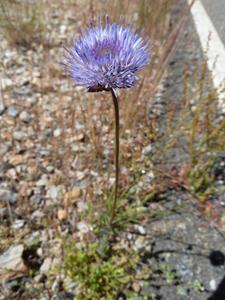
{"x": 107, "y": 57}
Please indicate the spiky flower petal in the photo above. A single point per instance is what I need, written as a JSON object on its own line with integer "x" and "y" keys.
{"x": 107, "y": 57}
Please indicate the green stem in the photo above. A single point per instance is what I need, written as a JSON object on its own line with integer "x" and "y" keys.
{"x": 117, "y": 150}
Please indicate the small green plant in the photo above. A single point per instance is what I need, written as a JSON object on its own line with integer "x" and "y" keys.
{"x": 98, "y": 278}
{"x": 169, "y": 273}
{"x": 196, "y": 286}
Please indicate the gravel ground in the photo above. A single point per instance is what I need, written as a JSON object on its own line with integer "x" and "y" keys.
{"x": 47, "y": 166}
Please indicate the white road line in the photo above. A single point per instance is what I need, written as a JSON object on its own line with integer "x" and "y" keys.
{"x": 214, "y": 47}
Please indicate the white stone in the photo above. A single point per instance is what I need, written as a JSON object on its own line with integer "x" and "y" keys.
{"x": 43, "y": 181}
{"x": 147, "y": 150}
{"x": 12, "y": 111}
{"x": 24, "y": 116}
{"x": 6, "y": 82}
{"x": 83, "y": 227}
{"x": 141, "y": 230}
{"x": 45, "y": 267}
{"x": 18, "y": 135}
{"x": 57, "y": 132}
{"x": 212, "y": 285}
{"x": 53, "y": 192}
{"x": 11, "y": 261}
{"x": 18, "y": 224}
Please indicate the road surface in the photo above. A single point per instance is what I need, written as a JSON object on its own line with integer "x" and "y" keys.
{"x": 209, "y": 20}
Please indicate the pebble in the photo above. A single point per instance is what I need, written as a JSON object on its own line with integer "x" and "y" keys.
{"x": 80, "y": 175}
{"x": 83, "y": 227}
{"x": 79, "y": 137}
{"x": 35, "y": 200}
{"x": 3, "y": 212}
{"x": 39, "y": 278}
{"x": 2, "y": 105}
{"x": 24, "y": 90}
{"x": 6, "y": 82}
{"x": 43, "y": 181}
{"x": 129, "y": 236}
{"x": 12, "y": 260}
{"x": 62, "y": 29}
{"x": 4, "y": 148}
{"x": 45, "y": 267}
{"x": 57, "y": 132}
{"x": 18, "y": 135}
{"x": 18, "y": 224}
{"x": 40, "y": 252}
{"x": 140, "y": 242}
{"x": 55, "y": 285}
{"x": 24, "y": 116}
{"x": 62, "y": 214}
{"x": 12, "y": 111}
{"x": 50, "y": 169}
{"x": 11, "y": 173}
{"x": 141, "y": 229}
{"x": 81, "y": 206}
{"x": 8, "y": 196}
{"x": 136, "y": 287}
{"x": 37, "y": 214}
{"x": 212, "y": 285}
{"x": 16, "y": 159}
{"x": 70, "y": 285}
{"x": 147, "y": 150}
{"x": 53, "y": 192}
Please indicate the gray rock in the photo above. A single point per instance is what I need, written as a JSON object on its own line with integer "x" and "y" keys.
{"x": 50, "y": 169}
{"x": 2, "y": 104}
{"x": 3, "y": 212}
{"x": 139, "y": 243}
{"x": 53, "y": 192}
{"x": 18, "y": 135}
{"x": 141, "y": 230}
{"x": 147, "y": 150}
{"x": 57, "y": 132}
{"x": 24, "y": 116}
{"x": 24, "y": 90}
{"x": 35, "y": 199}
{"x": 45, "y": 267}
{"x": 6, "y": 82}
{"x": 11, "y": 262}
{"x": 12, "y": 111}
{"x": 18, "y": 224}
{"x": 8, "y": 196}
{"x": 3, "y": 149}
{"x": 43, "y": 181}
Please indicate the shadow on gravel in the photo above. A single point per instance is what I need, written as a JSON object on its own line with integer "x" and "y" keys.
{"x": 219, "y": 294}
{"x": 217, "y": 259}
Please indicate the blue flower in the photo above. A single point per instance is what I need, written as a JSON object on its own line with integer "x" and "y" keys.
{"x": 107, "y": 57}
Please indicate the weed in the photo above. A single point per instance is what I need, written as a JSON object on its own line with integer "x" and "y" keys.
{"x": 98, "y": 278}
{"x": 198, "y": 131}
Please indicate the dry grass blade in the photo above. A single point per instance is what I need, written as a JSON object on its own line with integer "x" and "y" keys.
{"x": 22, "y": 23}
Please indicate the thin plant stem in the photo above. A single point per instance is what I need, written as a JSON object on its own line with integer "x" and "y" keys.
{"x": 117, "y": 151}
